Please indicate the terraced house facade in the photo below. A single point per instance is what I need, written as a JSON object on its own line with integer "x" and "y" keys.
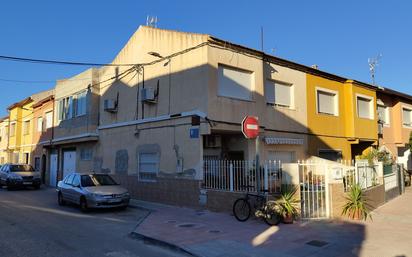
{"x": 153, "y": 124}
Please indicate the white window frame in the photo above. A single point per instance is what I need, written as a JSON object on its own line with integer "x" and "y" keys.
{"x": 387, "y": 121}
{"x": 40, "y": 124}
{"x": 336, "y": 101}
{"x": 291, "y": 93}
{"x": 252, "y": 83}
{"x": 83, "y": 97}
{"x": 404, "y": 107}
{"x": 371, "y": 105}
{"x": 26, "y": 131}
{"x": 49, "y": 122}
{"x": 12, "y": 132}
{"x": 157, "y": 166}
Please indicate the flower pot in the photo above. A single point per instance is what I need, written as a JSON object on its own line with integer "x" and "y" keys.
{"x": 287, "y": 219}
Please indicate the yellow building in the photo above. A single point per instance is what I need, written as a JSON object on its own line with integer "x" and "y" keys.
{"x": 342, "y": 120}
{"x": 20, "y": 132}
{"x": 4, "y": 139}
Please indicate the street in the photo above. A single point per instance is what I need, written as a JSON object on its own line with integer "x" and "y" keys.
{"x": 32, "y": 224}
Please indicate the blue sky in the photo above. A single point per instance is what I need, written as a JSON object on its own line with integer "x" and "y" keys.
{"x": 338, "y": 36}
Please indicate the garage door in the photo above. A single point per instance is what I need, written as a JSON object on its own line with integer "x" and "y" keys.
{"x": 69, "y": 162}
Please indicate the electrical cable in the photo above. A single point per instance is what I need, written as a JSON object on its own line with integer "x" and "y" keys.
{"x": 44, "y": 61}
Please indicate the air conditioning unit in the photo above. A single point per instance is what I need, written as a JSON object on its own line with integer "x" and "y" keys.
{"x": 148, "y": 95}
{"x": 110, "y": 105}
{"x": 213, "y": 141}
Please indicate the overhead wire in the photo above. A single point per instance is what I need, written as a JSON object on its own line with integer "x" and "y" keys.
{"x": 44, "y": 61}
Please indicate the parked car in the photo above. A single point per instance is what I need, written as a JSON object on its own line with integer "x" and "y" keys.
{"x": 92, "y": 191}
{"x": 19, "y": 175}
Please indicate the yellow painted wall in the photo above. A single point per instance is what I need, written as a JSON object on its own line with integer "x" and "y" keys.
{"x": 20, "y": 142}
{"x": 346, "y": 128}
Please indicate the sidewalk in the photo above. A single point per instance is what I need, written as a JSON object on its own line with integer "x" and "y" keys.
{"x": 205, "y": 233}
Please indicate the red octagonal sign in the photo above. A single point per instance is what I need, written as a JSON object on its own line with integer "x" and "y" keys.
{"x": 250, "y": 127}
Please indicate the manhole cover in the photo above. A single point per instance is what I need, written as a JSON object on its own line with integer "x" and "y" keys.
{"x": 317, "y": 243}
{"x": 214, "y": 231}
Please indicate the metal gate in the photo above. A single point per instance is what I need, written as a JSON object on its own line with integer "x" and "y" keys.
{"x": 314, "y": 190}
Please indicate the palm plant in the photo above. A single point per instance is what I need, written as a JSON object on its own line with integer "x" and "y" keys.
{"x": 356, "y": 206}
{"x": 289, "y": 204}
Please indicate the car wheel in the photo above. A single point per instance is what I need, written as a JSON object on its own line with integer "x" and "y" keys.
{"x": 60, "y": 199}
{"x": 83, "y": 205}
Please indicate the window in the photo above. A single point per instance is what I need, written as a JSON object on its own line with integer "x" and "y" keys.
{"x": 16, "y": 157}
{"x": 327, "y": 102}
{"x": 235, "y": 83}
{"x": 282, "y": 156}
{"x": 81, "y": 103}
{"x": 332, "y": 155}
{"x": 66, "y": 110}
{"x": 364, "y": 106}
{"x": 148, "y": 166}
{"x": 26, "y": 158}
{"x": 40, "y": 124}
{"x": 49, "y": 120}
{"x": 26, "y": 127}
{"x": 86, "y": 154}
{"x": 407, "y": 117}
{"x": 278, "y": 93}
{"x": 6, "y": 132}
{"x": 383, "y": 114}
{"x": 12, "y": 129}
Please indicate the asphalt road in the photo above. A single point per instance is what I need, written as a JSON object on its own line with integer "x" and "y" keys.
{"x": 32, "y": 224}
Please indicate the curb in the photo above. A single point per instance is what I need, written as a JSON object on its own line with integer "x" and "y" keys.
{"x": 160, "y": 243}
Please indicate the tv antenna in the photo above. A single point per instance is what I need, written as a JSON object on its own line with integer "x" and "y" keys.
{"x": 151, "y": 21}
{"x": 373, "y": 63}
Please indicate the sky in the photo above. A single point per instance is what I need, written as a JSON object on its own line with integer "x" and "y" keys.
{"x": 338, "y": 36}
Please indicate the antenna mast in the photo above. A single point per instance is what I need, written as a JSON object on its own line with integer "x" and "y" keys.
{"x": 373, "y": 63}
{"x": 151, "y": 21}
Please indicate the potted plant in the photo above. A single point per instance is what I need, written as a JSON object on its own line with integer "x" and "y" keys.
{"x": 356, "y": 206}
{"x": 289, "y": 204}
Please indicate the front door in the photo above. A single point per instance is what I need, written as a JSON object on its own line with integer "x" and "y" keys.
{"x": 53, "y": 170}
{"x": 69, "y": 162}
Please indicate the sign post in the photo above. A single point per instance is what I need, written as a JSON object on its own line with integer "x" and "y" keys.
{"x": 250, "y": 129}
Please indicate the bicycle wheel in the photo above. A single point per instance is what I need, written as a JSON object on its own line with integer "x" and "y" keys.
{"x": 272, "y": 218}
{"x": 241, "y": 209}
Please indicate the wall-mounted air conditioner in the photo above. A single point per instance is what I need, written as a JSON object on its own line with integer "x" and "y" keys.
{"x": 110, "y": 105}
{"x": 213, "y": 141}
{"x": 148, "y": 95}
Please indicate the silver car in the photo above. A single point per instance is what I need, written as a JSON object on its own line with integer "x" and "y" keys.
{"x": 92, "y": 191}
{"x": 19, "y": 175}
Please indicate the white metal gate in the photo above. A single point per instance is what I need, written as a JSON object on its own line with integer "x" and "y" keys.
{"x": 69, "y": 162}
{"x": 314, "y": 190}
{"x": 53, "y": 170}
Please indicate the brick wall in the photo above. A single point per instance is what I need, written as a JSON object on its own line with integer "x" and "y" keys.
{"x": 180, "y": 192}
{"x": 375, "y": 196}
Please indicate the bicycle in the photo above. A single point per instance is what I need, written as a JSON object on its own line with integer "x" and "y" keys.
{"x": 263, "y": 209}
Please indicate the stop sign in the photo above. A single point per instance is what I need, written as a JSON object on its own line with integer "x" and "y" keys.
{"x": 250, "y": 127}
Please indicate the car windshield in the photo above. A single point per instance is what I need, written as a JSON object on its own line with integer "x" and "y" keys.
{"x": 97, "y": 180}
{"x": 21, "y": 168}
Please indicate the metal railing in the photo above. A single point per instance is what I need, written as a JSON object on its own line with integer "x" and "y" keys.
{"x": 363, "y": 173}
{"x": 240, "y": 176}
